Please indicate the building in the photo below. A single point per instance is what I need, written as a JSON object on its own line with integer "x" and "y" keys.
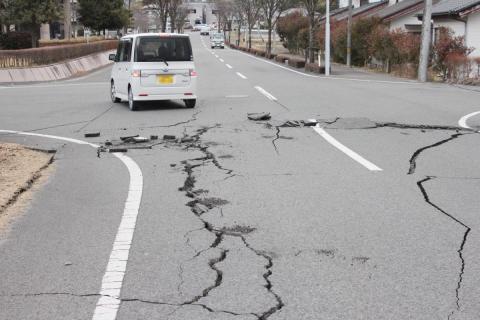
{"x": 461, "y": 16}
{"x": 201, "y": 12}
{"x": 402, "y": 15}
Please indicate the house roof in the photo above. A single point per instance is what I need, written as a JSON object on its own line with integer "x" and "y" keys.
{"x": 399, "y": 9}
{"x": 362, "y": 10}
{"x": 452, "y": 7}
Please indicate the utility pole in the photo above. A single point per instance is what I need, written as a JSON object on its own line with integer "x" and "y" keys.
{"x": 67, "y": 20}
{"x": 426, "y": 40}
{"x": 327, "y": 39}
{"x": 349, "y": 34}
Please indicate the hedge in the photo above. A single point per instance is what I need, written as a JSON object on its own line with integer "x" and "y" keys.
{"x": 49, "y": 55}
{"x": 58, "y": 42}
{"x": 296, "y": 62}
{"x": 314, "y": 67}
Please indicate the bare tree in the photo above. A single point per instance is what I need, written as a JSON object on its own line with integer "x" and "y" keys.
{"x": 239, "y": 16}
{"x": 271, "y": 10}
{"x": 313, "y": 8}
{"x": 140, "y": 18}
{"x": 251, "y": 10}
{"x": 225, "y": 13}
{"x": 173, "y": 13}
{"x": 182, "y": 14}
{"x": 161, "y": 9}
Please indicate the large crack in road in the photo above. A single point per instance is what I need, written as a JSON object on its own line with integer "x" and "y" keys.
{"x": 200, "y": 205}
{"x": 467, "y": 229}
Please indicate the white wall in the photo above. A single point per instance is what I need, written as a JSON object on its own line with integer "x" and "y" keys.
{"x": 355, "y": 3}
{"x": 473, "y": 33}
{"x": 458, "y": 27}
{"x": 402, "y": 21}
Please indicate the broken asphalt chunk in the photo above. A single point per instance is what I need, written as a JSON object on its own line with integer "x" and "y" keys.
{"x": 291, "y": 124}
{"x": 117, "y": 150}
{"x": 92, "y": 135}
{"x": 187, "y": 139}
{"x": 259, "y": 116}
{"x": 310, "y": 123}
{"x": 140, "y": 139}
{"x": 128, "y": 138}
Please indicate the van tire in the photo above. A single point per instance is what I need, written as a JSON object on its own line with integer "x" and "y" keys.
{"x": 113, "y": 92}
{"x": 132, "y": 104}
{"x": 190, "y": 103}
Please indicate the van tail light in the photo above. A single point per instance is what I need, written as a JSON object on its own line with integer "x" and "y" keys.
{"x": 136, "y": 73}
{"x": 193, "y": 73}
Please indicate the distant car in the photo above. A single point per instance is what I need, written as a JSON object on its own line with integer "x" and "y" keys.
{"x": 204, "y": 30}
{"x": 217, "y": 40}
{"x": 153, "y": 67}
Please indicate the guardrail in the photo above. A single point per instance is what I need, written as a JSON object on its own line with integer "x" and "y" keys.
{"x": 49, "y": 55}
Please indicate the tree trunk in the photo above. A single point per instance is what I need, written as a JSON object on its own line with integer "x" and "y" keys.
{"x": 67, "y": 19}
{"x": 239, "y": 33}
{"x": 311, "y": 35}
{"x": 249, "y": 37}
{"x": 35, "y": 35}
{"x": 269, "y": 41}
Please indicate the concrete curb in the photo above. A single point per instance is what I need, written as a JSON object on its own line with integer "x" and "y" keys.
{"x": 56, "y": 71}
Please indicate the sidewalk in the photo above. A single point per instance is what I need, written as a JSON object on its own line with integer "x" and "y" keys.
{"x": 58, "y": 71}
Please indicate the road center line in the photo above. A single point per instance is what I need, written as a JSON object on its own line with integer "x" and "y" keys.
{"x": 241, "y": 76}
{"x": 463, "y": 120}
{"x": 265, "y": 93}
{"x": 109, "y": 301}
{"x": 352, "y": 154}
{"x": 229, "y": 66}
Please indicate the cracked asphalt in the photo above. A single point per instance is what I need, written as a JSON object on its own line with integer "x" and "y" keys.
{"x": 245, "y": 219}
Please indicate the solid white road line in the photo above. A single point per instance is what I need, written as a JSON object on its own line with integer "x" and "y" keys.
{"x": 463, "y": 121}
{"x": 265, "y": 93}
{"x": 241, "y": 76}
{"x": 352, "y": 154}
{"x": 326, "y": 78}
{"x": 229, "y": 66}
{"x": 109, "y": 301}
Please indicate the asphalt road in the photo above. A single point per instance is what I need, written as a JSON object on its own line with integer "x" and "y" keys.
{"x": 373, "y": 214}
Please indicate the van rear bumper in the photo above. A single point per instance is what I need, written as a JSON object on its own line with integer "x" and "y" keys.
{"x": 158, "y": 97}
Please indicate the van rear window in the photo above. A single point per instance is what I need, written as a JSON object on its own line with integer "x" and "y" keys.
{"x": 155, "y": 48}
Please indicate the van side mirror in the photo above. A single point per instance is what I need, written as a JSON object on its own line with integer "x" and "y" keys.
{"x": 112, "y": 56}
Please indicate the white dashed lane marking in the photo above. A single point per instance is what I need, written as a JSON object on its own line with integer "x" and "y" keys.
{"x": 241, "y": 76}
{"x": 229, "y": 66}
{"x": 266, "y": 93}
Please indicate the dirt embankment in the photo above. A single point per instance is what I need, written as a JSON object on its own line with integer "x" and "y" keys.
{"x": 22, "y": 170}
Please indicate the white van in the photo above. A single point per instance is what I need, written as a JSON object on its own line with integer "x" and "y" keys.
{"x": 154, "y": 66}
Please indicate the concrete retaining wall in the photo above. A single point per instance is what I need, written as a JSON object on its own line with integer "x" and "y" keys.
{"x": 56, "y": 71}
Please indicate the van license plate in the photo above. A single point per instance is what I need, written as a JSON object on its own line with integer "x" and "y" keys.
{"x": 165, "y": 79}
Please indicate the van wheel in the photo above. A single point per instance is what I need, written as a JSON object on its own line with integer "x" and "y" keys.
{"x": 190, "y": 103}
{"x": 132, "y": 104}
{"x": 113, "y": 94}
